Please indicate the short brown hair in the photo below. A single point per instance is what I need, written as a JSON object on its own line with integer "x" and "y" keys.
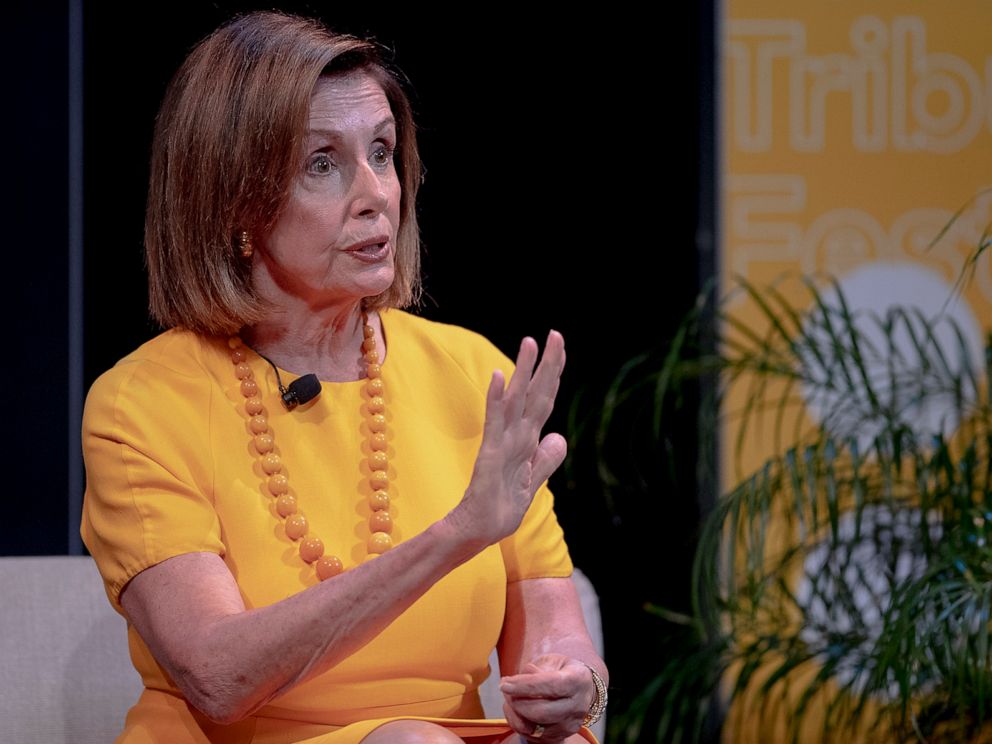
{"x": 228, "y": 143}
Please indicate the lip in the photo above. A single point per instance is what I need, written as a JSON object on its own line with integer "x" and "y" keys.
{"x": 372, "y": 250}
{"x": 370, "y": 241}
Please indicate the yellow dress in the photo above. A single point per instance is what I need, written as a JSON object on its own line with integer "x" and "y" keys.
{"x": 171, "y": 469}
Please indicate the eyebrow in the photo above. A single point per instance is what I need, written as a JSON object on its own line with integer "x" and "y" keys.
{"x": 334, "y": 134}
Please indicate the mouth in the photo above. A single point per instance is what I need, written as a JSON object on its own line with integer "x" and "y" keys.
{"x": 374, "y": 248}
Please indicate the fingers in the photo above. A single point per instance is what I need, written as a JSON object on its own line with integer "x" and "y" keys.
{"x": 496, "y": 385}
{"x": 547, "y": 663}
{"x": 556, "y": 712}
{"x": 516, "y": 391}
{"x": 548, "y": 690}
{"x": 545, "y": 685}
{"x": 551, "y": 732}
{"x": 518, "y": 724}
{"x": 548, "y": 371}
{"x": 531, "y": 393}
{"x": 495, "y": 422}
{"x": 546, "y": 680}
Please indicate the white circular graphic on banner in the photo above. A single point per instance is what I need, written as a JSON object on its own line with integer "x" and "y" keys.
{"x": 895, "y": 364}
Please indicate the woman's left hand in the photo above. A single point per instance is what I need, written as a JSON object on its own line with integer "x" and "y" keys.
{"x": 554, "y": 691}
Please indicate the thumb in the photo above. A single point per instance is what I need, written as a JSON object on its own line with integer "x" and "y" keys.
{"x": 550, "y": 454}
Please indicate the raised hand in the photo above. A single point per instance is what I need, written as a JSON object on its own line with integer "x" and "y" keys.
{"x": 553, "y": 691}
{"x": 513, "y": 461}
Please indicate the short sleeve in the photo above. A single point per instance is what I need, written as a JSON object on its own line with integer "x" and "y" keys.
{"x": 148, "y": 476}
{"x": 537, "y": 550}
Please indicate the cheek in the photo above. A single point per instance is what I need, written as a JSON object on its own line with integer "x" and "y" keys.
{"x": 395, "y": 200}
{"x": 315, "y": 220}
{"x": 300, "y": 237}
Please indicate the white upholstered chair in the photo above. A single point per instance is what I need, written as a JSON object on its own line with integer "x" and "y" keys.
{"x": 65, "y": 675}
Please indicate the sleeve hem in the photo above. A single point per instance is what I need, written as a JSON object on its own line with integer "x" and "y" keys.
{"x": 543, "y": 575}
{"x": 114, "y": 588}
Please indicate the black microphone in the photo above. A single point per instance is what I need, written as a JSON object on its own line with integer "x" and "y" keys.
{"x": 300, "y": 391}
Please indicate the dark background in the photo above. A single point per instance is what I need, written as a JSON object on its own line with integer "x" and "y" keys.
{"x": 569, "y": 185}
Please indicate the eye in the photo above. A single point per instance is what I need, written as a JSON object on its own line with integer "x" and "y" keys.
{"x": 382, "y": 155}
{"x": 320, "y": 164}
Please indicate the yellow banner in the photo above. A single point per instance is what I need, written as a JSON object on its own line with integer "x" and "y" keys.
{"x": 851, "y": 132}
{"x": 850, "y": 135}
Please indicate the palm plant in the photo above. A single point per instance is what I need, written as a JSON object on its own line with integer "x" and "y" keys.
{"x": 845, "y": 585}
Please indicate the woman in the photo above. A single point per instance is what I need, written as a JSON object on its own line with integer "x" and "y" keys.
{"x": 332, "y": 561}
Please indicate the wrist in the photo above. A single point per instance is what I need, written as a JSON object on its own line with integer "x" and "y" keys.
{"x": 458, "y": 531}
{"x": 599, "y": 700}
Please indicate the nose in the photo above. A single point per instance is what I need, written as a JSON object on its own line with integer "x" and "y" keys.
{"x": 368, "y": 192}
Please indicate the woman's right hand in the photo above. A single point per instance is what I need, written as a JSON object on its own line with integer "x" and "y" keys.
{"x": 513, "y": 460}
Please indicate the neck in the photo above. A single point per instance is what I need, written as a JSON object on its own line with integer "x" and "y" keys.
{"x": 326, "y": 342}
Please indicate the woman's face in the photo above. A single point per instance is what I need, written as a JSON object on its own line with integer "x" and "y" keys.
{"x": 335, "y": 241}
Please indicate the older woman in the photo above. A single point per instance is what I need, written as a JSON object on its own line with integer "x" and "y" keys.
{"x": 320, "y": 513}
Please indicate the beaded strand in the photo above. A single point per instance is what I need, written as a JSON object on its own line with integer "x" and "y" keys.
{"x": 311, "y": 547}
{"x": 380, "y": 521}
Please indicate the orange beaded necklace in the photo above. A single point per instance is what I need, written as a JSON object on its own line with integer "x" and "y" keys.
{"x": 277, "y": 484}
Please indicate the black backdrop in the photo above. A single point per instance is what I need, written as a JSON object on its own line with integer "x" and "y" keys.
{"x": 568, "y": 185}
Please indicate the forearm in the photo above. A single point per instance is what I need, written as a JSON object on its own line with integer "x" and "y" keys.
{"x": 552, "y": 625}
{"x": 545, "y": 656}
{"x": 230, "y": 661}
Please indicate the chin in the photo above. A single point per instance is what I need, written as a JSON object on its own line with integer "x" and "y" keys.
{"x": 381, "y": 283}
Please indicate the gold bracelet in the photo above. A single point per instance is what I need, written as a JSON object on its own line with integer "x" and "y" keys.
{"x": 598, "y": 706}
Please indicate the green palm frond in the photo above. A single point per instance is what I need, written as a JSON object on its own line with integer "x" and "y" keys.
{"x": 854, "y": 566}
